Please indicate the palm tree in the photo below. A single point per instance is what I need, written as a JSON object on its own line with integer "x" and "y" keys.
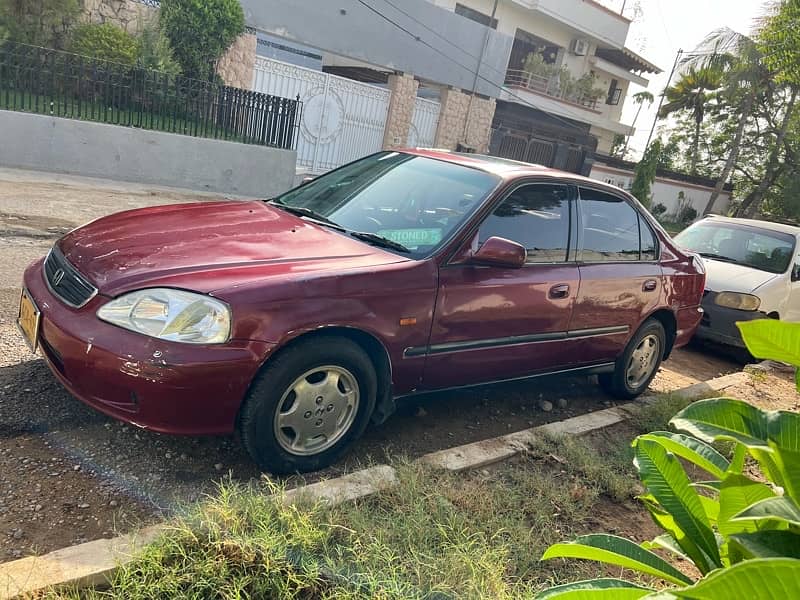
{"x": 639, "y": 98}
{"x": 693, "y": 92}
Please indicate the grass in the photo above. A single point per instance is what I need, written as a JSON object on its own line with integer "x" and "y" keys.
{"x": 437, "y": 535}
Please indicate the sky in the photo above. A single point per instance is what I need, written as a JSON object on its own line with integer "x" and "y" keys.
{"x": 662, "y": 28}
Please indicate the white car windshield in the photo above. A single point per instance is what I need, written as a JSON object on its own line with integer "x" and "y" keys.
{"x": 761, "y": 249}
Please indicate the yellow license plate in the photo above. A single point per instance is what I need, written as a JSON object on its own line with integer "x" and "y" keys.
{"x": 28, "y": 320}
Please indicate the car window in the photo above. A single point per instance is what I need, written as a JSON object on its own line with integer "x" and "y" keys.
{"x": 536, "y": 216}
{"x": 610, "y": 227}
{"x": 648, "y": 240}
{"x": 746, "y": 245}
{"x": 413, "y": 200}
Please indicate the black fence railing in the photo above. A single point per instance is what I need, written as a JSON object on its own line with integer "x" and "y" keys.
{"x": 57, "y": 83}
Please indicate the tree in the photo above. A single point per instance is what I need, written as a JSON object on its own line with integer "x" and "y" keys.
{"x": 779, "y": 41}
{"x": 618, "y": 146}
{"x": 645, "y": 172}
{"x": 38, "y": 22}
{"x": 639, "y": 98}
{"x": 691, "y": 93}
{"x": 200, "y": 32}
{"x": 155, "y": 51}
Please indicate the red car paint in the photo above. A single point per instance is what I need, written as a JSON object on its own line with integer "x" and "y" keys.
{"x": 285, "y": 277}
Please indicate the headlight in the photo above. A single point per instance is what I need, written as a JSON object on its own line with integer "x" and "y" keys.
{"x": 172, "y": 315}
{"x": 738, "y": 301}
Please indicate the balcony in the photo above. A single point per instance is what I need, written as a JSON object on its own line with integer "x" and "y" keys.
{"x": 549, "y": 86}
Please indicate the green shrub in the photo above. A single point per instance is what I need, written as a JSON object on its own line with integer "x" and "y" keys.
{"x": 105, "y": 41}
{"x": 200, "y": 32}
{"x": 155, "y": 50}
{"x": 41, "y": 23}
{"x": 658, "y": 210}
{"x": 741, "y": 532}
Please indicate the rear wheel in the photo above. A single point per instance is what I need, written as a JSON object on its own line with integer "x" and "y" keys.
{"x": 308, "y": 406}
{"x": 638, "y": 364}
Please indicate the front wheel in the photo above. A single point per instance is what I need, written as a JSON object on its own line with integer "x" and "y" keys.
{"x": 308, "y": 406}
{"x": 638, "y": 364}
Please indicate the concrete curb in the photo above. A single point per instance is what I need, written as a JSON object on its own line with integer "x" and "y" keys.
{"x": 94, "y": 562}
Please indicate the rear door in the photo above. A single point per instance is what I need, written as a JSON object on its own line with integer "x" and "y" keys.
{"x": 620, "y": 277}
{"x": 494, "y": 323}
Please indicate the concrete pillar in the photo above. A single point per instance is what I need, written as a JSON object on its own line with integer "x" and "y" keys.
{"x": 479, "y": 123}
{"x": 452, "y": 117}
{"x": 401, "y": 110}
{"x": 236, "y": 65}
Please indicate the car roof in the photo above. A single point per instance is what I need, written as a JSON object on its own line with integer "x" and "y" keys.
{"x": 769, "y": 225}
{"x": 505, "y": 167}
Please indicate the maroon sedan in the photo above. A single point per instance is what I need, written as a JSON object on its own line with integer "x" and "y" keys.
{"x": 299, "y": 320}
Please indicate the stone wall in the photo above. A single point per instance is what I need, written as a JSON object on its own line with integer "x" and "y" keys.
{"x": 401, "y": 110}
{"x": 464, "y": 122}
{"x": 127, "y": 14}
{"x": 236, "y": 65}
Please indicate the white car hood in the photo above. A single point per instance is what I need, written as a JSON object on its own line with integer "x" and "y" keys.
{"x": 730, "y": 277}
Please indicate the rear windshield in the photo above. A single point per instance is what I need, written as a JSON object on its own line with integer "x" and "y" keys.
{"x": 761, "y": 249}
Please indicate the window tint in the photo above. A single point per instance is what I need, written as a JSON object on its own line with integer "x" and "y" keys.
{"x": 536, "y": 216}
{"x": 610, "y": 228}
{"x": 649, "y": 250}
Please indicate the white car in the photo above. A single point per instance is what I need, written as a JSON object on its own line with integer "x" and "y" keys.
{"x": 753, "y": 272}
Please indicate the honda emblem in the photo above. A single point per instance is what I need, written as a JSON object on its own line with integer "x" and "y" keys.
{"x": 58, "y": 276}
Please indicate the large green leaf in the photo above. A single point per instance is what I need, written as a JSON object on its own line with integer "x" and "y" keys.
{"x": 757, "y": 579}
{"x": 666, "y": 542}
{"x": 767, "y": 544}
{"x": 594, "y": 589}
{"x": 779, "y": 512}
{"x": 724, "y": 419}
{"x": 664, "y": 477}
{"x": 693, "y": 450}
{"x": 737, "y": 493}
{"x": 772, "y": 339}
{"x": 614, "y": 550}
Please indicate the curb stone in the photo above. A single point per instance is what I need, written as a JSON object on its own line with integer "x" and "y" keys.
{"x": 93, "y": 563}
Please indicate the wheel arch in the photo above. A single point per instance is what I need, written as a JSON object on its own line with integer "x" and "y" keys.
{"x": 374, "y": 348}
{"x": 669, "y": 321}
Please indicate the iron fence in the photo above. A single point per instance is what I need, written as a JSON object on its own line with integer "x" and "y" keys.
{"x": 46, "y": 81}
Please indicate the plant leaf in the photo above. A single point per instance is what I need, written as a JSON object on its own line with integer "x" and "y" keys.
{"x": 595, "y": 588}
{"x": 666, "y": 542}
{"x": 768, "y": 513}
{"x": 664, "y": 477}
{"x": 693, "y": 450}
{"x": 614, "y": 550}
{"x": 737, "y": 493}
{"x": 757, "y": 579}
{"x": 772, "y": 339}
{"x": 737, "y": 462}
{"x": 767, "y": 544}
{"x": 724, "y": 418}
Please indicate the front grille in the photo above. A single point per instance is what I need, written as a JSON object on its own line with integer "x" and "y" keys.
{"x": 65, "y": 281}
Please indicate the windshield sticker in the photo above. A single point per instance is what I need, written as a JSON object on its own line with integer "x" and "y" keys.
{"x": 412, "y": 238}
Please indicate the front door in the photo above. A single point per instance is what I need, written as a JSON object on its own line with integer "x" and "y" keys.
{"x": 621, "y": 279}
{"x": 493, "y": 323}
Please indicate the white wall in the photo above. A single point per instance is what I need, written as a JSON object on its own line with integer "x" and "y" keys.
{"x": 665, "y": 191}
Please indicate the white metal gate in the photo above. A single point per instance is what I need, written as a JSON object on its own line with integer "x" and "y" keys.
{"x": 422, "y": 133}
{"x": 342, "y": 119}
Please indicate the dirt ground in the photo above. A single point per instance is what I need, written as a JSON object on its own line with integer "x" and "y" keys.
{"x": 69, "y": 474}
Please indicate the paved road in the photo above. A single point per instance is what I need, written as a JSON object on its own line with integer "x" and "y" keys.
{"x": 68, "y": 473}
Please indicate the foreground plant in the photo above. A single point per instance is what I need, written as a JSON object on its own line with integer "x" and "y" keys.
{"x": 741, "y": 533}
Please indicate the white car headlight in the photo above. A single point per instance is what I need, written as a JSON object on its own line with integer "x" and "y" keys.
{"x": 172, "y": 315}
{"x": 738, "y": 301}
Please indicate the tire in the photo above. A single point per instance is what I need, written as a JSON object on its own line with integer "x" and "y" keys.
{"x": 337, "y": 389}
{"x": 627, "y": 382}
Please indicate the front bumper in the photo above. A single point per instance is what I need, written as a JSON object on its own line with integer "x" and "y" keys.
{"x": 719, "y": 323}
{"x": 164, "y": 386}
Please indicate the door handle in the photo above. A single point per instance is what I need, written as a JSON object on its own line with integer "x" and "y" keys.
{"x": 650, "y": 285}
{"x": 560, "y": 291}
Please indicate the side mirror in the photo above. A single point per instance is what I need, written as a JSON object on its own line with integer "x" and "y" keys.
{"x": 796, "y": 272}
{"x": 500, "y": 252}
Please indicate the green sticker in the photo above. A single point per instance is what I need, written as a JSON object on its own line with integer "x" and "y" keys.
{"x": 413, "y": 237}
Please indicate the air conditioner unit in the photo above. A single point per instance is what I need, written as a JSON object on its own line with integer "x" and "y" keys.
{"x": 579, "y": 47}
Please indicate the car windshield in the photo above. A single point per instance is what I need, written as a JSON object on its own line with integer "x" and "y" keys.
{"x": 746, "y": 245}
{"x": 411, "y": 200}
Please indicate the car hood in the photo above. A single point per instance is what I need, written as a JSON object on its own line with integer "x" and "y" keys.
{"x": 209, "y": 246}
{"x": 729, "y": 277}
